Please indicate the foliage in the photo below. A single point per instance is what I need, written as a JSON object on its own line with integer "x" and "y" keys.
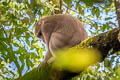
{"x": 21, "y": 51}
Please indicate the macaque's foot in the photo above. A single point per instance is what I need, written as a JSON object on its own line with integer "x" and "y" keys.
{"x": 42, "y": 63}
{"x": 51, "y": 60}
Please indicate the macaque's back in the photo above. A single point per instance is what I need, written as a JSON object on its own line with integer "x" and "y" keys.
{"x": 69, "y": 26}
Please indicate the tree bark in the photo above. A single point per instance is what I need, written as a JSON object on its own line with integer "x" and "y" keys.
{"x": 103, "y": 42}
{"x": 117, "y": 6}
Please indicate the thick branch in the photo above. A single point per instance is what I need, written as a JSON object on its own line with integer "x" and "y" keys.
{"x": 103, "y": 42}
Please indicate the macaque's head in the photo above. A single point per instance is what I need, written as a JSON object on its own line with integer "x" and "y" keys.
{"x": 38, "y": 30}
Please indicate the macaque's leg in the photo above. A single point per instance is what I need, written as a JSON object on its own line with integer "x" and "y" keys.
{"x": 57, "y": 42}
{"x": 47, "y": 57}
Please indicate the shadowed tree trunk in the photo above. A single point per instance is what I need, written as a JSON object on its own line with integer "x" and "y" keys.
{"x": 117, "y": 6}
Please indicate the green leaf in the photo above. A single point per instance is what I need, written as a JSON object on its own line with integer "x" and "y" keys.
{"x": 108, "y": 18}
{"x": 106, "y": 63}
{"x": 68, "y": 2}
{"x": 81, "y": 11}
{"x": 97, "y": 12}
{"x": 88, "y": 2}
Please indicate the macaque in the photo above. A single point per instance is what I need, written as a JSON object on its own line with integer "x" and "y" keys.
{"x": 58, "y": 32}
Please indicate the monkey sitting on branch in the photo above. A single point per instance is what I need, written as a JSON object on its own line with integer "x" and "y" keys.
{"x": 59, "y": 31}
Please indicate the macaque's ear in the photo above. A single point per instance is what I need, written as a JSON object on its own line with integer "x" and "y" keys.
{"x": 39, "y": 23}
